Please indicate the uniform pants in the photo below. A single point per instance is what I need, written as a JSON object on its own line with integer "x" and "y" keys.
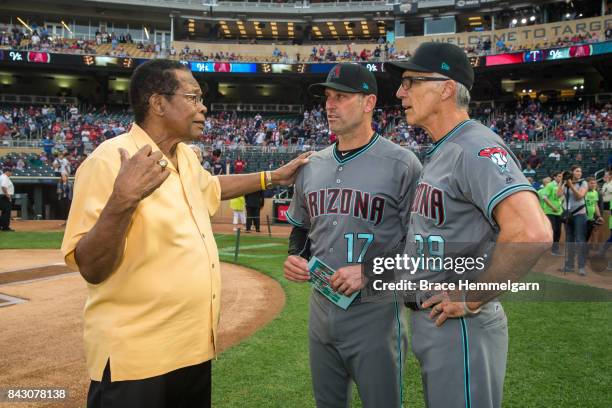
{"x": 367, "y": 344}
{"x": 239, "y": 217}
{"x": 463, "y": 362}
{"x": 187, "y": 387}
{"x": 252, "y": 218}
{"x": 5, "y": 212}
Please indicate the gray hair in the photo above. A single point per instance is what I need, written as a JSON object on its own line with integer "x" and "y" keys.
{"x": 463, "y": 96}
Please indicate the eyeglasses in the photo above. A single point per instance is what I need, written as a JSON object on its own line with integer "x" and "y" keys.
{"x": 192, "y": 97}
{"x": 408, "y": 81}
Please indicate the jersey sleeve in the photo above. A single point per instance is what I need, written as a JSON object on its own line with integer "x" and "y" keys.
{"x": 297, "y": 214}
{"x": 409, "y": 181}
{"x": 489, "y": 174}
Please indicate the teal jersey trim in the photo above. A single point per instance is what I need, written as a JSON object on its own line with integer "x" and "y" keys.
{"x": 505, "y": 193}
{"x": 399, "y": 351}
{"x": 440, "y": 142}
{"x": 292, "y": 221}
{"x": 466, "y": 363}
{"x": 357, "y": 153}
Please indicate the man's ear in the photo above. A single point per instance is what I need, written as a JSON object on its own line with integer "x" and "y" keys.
{"x": 449, "y": 89}
{"x": 370, "y": 103}
{"x": 157, "y": 105}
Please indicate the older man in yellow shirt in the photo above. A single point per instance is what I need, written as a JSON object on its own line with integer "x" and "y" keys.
{"x": 139, "y": 232}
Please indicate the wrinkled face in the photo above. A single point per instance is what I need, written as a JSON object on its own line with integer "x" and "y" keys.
{"x": 421, "y": 99}
{"x": 345, "y": 111}
{"x": 184, "y": 114}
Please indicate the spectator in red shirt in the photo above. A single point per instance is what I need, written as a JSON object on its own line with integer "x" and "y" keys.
{"x": 239, "y": 165}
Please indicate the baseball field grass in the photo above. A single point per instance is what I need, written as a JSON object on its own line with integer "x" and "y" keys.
{"x": 559, "y": 352}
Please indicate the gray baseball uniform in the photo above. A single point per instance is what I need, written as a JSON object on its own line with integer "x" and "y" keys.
{"x": 465, "y": 175}
{"x": 355, "y": 207}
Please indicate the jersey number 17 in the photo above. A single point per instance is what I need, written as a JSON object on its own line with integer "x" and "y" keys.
{"x": 367, "y": 240}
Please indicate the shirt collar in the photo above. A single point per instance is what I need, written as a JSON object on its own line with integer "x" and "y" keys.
{"x": 142, "y": 138}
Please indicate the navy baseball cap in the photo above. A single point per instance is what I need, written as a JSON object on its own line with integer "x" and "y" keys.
{"x": 347, "y": 77}
{"x": 442, "y": 58}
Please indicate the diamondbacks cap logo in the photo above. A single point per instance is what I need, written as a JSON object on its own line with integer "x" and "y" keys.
{"x": 445, "y": 66}
{"x": 365, "y": 86}
{"x": 334, "y": 73}
{"x": 497, "y": 155}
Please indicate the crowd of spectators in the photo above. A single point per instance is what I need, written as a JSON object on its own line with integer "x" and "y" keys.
{"x": 39, "y": 39}
{"x": 64, "y": 129}
{"x": 17, "y": 37}
{"x": 532, "y": 121}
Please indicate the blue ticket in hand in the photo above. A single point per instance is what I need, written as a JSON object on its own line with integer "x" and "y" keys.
{"x": 320, "y": 275}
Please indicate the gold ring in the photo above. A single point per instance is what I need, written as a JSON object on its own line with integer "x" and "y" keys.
{"x": 163, "y": 163}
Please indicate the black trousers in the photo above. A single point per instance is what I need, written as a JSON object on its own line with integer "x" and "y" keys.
{"x": 555, "y": 221}
{"x": 187, "y": 387}
{"x": 5, "y": 212}
{"x": 252, "y": 218}
{"x": 590, "y": 228}
{"x": 63, "y": 208}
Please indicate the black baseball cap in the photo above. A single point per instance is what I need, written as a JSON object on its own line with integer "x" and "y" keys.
{"x": 347, "y": 77}
{"x": 442, "y": 58}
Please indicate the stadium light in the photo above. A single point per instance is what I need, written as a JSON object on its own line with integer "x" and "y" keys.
{"x": 66, "y": 26}
{"x": 581, "y": 86}
{"x": 532, "y": 18}
{"x": 531, "y": 90}
{"x": 575, "y": 88}
{"x": 24, "y": 24}
{"x": 514, "y": 21}
{"x": 524, "y": 91}
{"x": 568, "y": 15}
{"x": 523, "y": 20}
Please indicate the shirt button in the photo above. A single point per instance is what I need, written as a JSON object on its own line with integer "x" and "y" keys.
{"x": 338, "y": 181}
{"x": 331, "y": 249}
{"x": 335, "y": 222}
{"x": 340, "y": 168}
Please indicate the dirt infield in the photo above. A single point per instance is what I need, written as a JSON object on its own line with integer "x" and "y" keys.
{"x": 41, "y": 341}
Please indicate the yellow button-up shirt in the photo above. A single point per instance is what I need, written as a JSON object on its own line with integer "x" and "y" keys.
{"x": 159, "y": 310}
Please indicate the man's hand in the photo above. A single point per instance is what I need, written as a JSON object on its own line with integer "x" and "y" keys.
{"x": 296, "y": 269}
{"x": 285, "y": 175}
{"x": 348, "y": 280}
{"x": 140, "y": 175}
{"x": 444, "y": 308}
